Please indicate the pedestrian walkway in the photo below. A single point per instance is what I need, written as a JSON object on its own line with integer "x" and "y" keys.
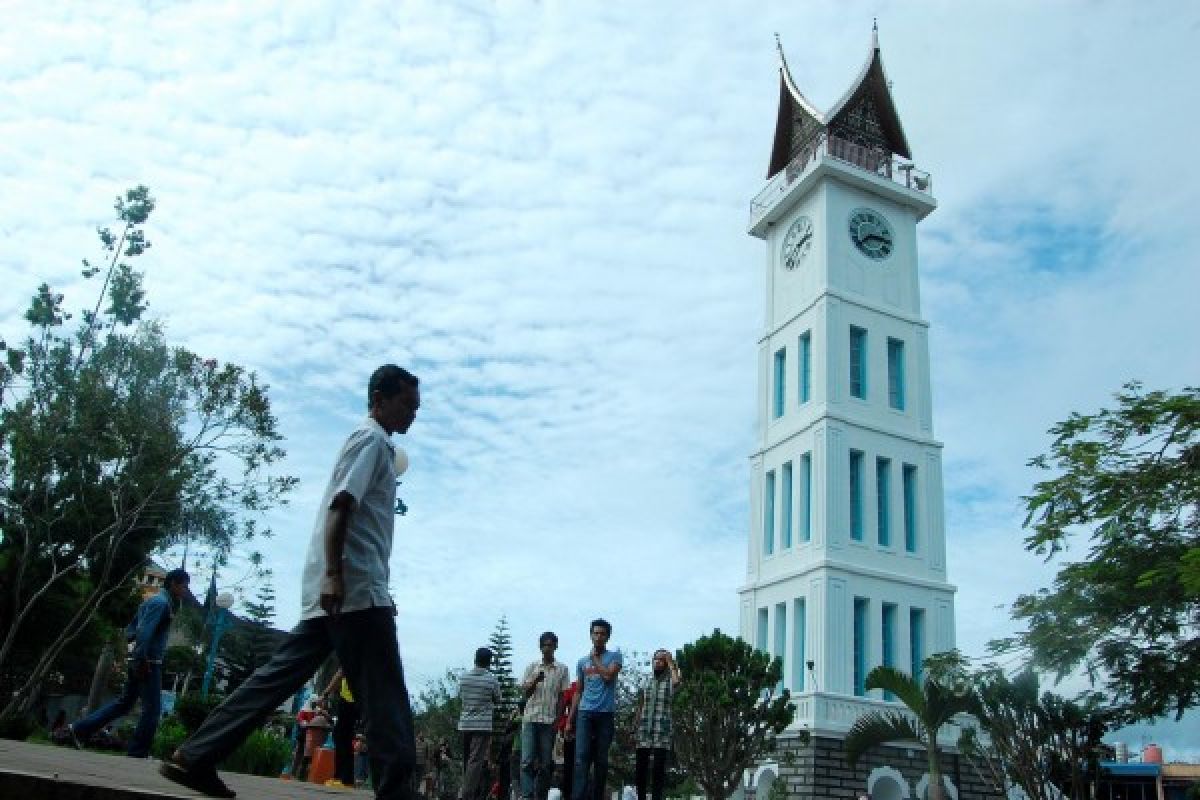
{"x": 45, "y": 772}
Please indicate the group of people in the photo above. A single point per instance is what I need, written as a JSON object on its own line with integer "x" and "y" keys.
{"x": 347, "y": 610}
{"x": 576, "y": 716}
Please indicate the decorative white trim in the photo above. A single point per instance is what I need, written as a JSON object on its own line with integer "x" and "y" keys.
{"x": 879, "y": 773}
{"x": 923, "y": 787}
{"x": 772, "y": 768}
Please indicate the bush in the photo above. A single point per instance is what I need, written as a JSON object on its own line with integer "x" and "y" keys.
{"x": 262, "y": 753}
{"x": 168, "y": 737}
{"x": 17, "y": 727}
{"x": 191, "y": 709}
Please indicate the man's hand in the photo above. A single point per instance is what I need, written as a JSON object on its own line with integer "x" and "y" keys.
{"x": 332, "y": 593}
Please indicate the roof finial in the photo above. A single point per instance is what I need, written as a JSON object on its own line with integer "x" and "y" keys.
{"x": 875, "y": 32}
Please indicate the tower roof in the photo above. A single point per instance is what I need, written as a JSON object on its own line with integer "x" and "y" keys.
{"x": 865, "y": 113}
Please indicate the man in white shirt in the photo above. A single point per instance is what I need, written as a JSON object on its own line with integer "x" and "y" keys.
{"x": 544, "y": 682}
{"x": 346, "y": 609}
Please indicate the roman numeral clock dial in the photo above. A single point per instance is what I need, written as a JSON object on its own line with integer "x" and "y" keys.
{"x": 797, "y": 242}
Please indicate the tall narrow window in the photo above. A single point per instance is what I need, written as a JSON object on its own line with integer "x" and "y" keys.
{"x": 910, "y": 508}
{"x": 769, "y": 514}
{"x": 916, "y": 642}
{"x": 798, "y": 632}
{"x": 806, "y": 497}
{"x": 861, "y": 607}
{"x": 858, "y": 363}
{"x": 761, "y": 642}
{"x": 786, "y": 497}
{"x": 805, "y": 367}
{"x": 856, "y": 495}
{"x": 895, "y": 358}
{"x": 883, "y": 500}
{"x": 780, "y": 649}
{"x": 777, "y": 401}
{"x": 889, "y": 640}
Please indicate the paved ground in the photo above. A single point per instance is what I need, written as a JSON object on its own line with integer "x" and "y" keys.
{"x": 46, "y": 772}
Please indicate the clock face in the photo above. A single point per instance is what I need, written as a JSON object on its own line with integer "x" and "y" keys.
{"x": 871, "y": 233}
{"x": 797, "y": 242}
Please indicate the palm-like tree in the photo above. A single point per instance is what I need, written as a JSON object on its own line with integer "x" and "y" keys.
{"x": 932, "y": 703}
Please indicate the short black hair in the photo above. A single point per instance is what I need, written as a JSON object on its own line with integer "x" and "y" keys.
{"x": 551, "y": 635}
{"x": 601, "y": 622}
{"x": 177, "y": 576}
{"x": 390, "y": 380}
{"x": 483, "y": 657}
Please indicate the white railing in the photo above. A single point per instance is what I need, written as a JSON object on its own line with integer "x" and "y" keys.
{"x": 873, "y": 160}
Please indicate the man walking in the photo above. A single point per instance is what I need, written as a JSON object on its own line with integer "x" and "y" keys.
{"x": 654, "y": 723}
{"x": 346, "y": 608}
{"x": 594, "y": 709}
{"x": 479, "y": 691}
{"x": 143, "y": 680}
{"x": 544, "y": 682}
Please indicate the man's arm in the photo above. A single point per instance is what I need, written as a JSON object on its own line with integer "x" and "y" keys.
{"x": 333, "y": 589}
{"x": 149, "y": 617}
{"x": 334, "y": 683}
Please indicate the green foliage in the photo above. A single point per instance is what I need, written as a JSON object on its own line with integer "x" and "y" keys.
{"x": 249, "y": 644}
{"x": 436, "y": 709}
{"x": 113, "y": 445}
{"x": 192, "y": 709}
{"x": 1126, "y": 612}
{"x": 501, "y": 644}
{"x": 727, "y": 711}
{"x": 931, "y": 704}
{"x": 170, "y": 734}
{"x": 263, "y": 753}
{"x": 1046, "y": 744}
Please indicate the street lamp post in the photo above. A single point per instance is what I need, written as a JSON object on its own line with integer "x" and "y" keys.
{"x": 220, "y": 623}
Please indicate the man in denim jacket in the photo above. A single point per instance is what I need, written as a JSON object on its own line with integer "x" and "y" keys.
{"x": 148, "y": 632}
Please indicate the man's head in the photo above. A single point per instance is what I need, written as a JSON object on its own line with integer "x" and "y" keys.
{"x": 659, "y": 662}
{"x": 483, "y": 657}
{"x": 600, "y": 630}
{"x": 548, "y": 643}
{"x": 393, "y": 397}
{"x": 176, "y": 583}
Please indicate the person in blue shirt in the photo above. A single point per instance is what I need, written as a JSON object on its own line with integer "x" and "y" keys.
{"x": 148, "y": 632}
{"x": 592, "y": 720}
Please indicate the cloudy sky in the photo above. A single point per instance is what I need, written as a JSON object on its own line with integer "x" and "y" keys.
{"x": 540, "y": 208}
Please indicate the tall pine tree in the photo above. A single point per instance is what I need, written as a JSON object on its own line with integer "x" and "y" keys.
{"x": 501, "y": 644}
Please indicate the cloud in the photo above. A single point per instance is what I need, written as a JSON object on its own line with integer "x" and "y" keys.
{"x": 541, "y": 208}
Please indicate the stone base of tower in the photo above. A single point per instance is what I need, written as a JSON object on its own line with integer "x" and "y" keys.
{"x": 819, "y": 770}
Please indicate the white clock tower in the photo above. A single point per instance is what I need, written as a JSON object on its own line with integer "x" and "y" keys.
{"x": 847, "y": 550}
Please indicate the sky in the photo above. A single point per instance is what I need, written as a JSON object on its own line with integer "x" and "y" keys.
{"x": 541, "y": 209}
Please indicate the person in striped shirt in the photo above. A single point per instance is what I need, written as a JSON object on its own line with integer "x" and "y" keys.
{"x": 479, "y": 692}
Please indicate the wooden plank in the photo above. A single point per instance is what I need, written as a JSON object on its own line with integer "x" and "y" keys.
{"x": 45, "y": 772}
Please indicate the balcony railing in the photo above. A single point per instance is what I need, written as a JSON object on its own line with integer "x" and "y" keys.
{"x": 877, "y": 162}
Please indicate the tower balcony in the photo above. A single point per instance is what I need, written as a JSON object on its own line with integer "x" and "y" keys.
{"x": 870, "y": 168}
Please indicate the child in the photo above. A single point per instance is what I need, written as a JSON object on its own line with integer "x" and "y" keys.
{"x": 315, "y": 734}
{"x": 361, "y": 761}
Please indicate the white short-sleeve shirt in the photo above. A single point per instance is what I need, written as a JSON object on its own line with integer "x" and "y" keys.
{"x": 366, "y": 470}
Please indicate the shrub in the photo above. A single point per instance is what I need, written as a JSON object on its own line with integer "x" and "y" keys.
{"x": 191, "y": 709}
{"x": 16, "y": 726}
{"x": 263, "y": 753}
{"x": 169, "y": 736}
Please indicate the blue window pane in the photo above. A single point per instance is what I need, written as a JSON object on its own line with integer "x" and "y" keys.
{"x": 858, "y": 363}
{"x": 856, "y": 497}
{"x": 769, "y": 515}
{"x": 860, "y": 646}
{"x": 798, "y": 624}
{"x": 883, "y": 502}
{"x": 786, "y": 523}
{"x": 910, "y": 508}
{"x": 780, "y": 391}
{"x": 805, "y": 367}
{"x": 895, "y": 353}
{"x": 916, "y": 642}
{"x": 889, "y": 640}
{"x": 806, "y": 497}
{"x": 761, "y": 641}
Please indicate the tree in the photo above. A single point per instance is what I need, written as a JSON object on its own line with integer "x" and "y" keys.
{"x": 113, "y": 445}
{"x": 1128, "y": 611}
{"x": 500, "y": 643}
{"x": 1046, "y": 744}
{"x": 727, "y": 711}
{"x": 251, "y": 641}
{"x": 931, "y": 705}
{"x": 436, "y": 709}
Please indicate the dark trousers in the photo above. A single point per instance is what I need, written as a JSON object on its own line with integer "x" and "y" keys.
{"x": 658, "y": 771}
{"x": 365, "y": 643}
{"x": 148, "y": 689}
{"x": 475, "y": 753}
{"x": 568, "y": 776}
{"x": 343, "y": 741}
{"x": 593, "y": 737}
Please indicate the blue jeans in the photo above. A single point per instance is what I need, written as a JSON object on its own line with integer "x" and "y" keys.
{"x": 593, "y": 737}
{"x": 537, "y": 750}
{"x": 148, "y": 689}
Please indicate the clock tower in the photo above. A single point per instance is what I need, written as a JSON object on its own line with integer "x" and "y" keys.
{"x": 846, "y": 565}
